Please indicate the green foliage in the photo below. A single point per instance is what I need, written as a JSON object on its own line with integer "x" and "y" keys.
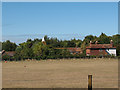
{"x": 104, "y": 39}
{"x": 6, "y": 57}
{"x": 89, "y": 38}
{"x": 118, "y": 49}
{"x": 24, "y": 50}
{"x": 40, "y": 51}
{"x": 83, "y": 46}
{"x": 35, "y": 49}
{"x": 8, "y": 46}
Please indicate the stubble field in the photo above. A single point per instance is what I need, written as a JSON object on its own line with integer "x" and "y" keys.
{"x": 69, "y": 73}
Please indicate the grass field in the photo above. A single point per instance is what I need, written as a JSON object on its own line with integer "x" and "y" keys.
{"x": 60, "y": 73}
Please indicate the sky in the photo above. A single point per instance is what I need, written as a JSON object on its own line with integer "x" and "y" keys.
{"x": 64, "y": 20}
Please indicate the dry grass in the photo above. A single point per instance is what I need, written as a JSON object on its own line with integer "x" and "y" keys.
{"x": 60, "y": 73}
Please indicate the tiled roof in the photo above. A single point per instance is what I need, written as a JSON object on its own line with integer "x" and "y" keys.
{"x": 70, "y": 48}
{"x": 100, "y": 46}
{"x": 9, "y": 53}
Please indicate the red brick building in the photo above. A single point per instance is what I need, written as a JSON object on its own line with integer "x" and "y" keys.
{"x": 100, "y": 49}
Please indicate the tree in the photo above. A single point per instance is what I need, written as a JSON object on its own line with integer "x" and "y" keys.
{"x": 36, "y": 49}
{"x": 83, "y": 47}
{"x": 8, "y": 46}
{"x": 78, "y": 43}
{"x": 90, "y": 38}
{"x": 40, "y": 50}
{"x": 24, "y": 50}
{"x": 71, "y": 44}
{"x": 116, "y": 40}
{"x": 104, "y": 39}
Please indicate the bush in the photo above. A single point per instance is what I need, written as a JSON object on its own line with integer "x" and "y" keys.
{"x": 6, "y": 58}
{"x": 118, "y": 57}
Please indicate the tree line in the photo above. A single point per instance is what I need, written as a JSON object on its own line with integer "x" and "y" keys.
{"x": 35, "y": 49}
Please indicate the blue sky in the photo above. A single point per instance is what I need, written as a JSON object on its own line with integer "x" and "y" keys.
{"x": 21, "y": 21}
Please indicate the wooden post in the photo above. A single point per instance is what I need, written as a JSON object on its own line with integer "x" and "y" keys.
{"x": 89, "y": 82}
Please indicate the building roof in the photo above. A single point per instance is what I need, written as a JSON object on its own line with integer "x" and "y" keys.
{"x": 9, "y": 53}
{"x": 43, "y": 40}
{"x": 3, "y": 51}
{"x": 71, "y": 48}
{"x": 100, "y": 46}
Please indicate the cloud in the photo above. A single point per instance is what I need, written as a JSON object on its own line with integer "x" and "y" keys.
{"x": 16, "y": 40}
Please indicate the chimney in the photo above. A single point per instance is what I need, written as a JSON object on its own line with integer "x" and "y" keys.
{"x": 111, "y": 43}
{"x": 96, "y": 42}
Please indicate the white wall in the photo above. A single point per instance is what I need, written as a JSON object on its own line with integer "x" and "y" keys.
{"x": 111, "y": 51}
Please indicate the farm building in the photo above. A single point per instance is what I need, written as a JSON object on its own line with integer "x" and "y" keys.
{"x": 9, "y": 53}
{"x": 43, "y": 41}
{"x": 100, "y": 49}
